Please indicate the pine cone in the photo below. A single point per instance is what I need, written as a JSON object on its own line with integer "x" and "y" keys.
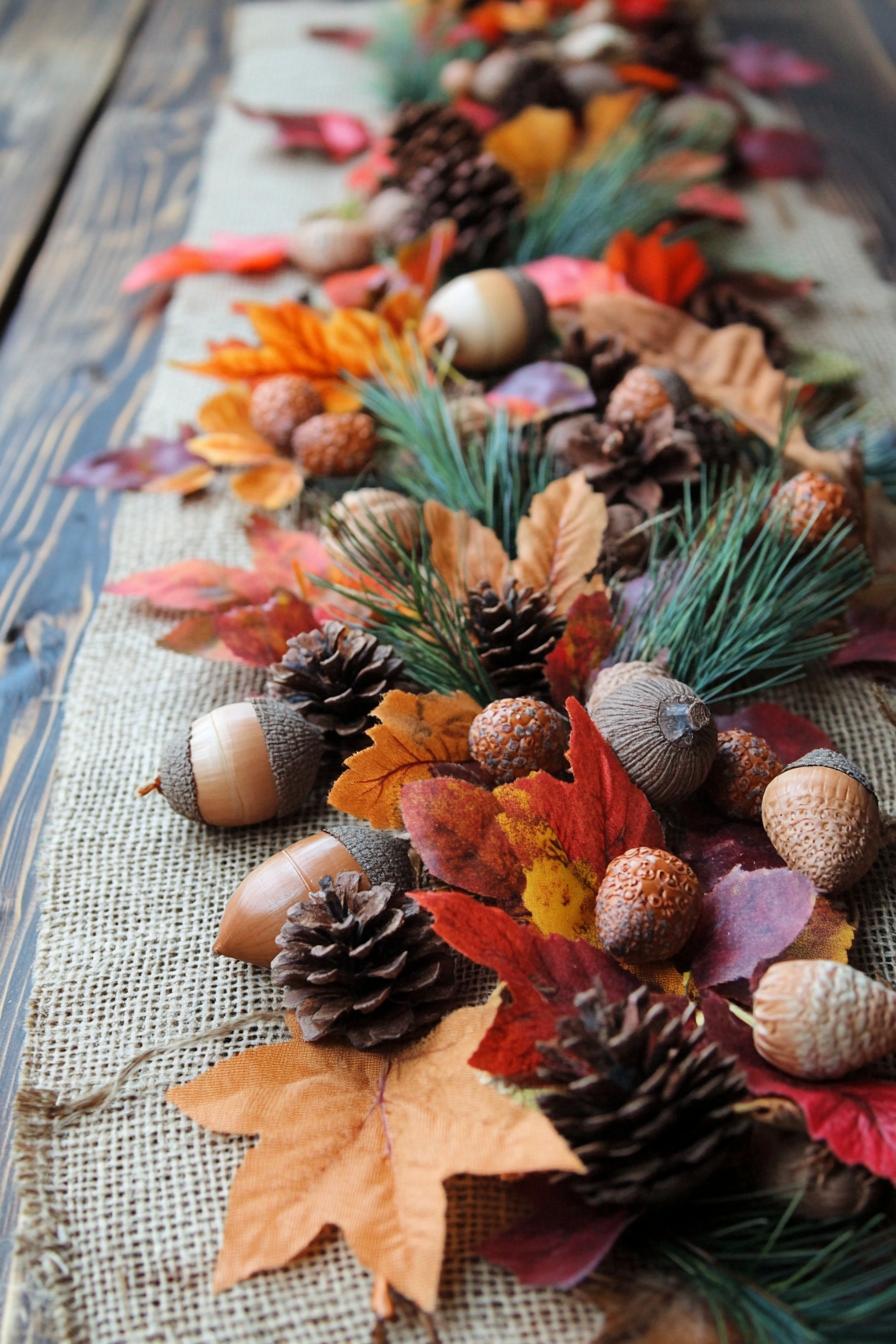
{"x": 514, "y": 630}
{"x": 482, "y": 198}
{"x": 335, "y": 677}
{"x": 606, "y": 361}
{"x": 717, "y": 304}
{"x": 537, "y": 82}
{"x": 364, "y": 966}
{"x": 641, "y": 1096}
{"x": 673, "y": 43}
{"x": 625, "y": 546}
{"x": 644, "y": 465}
{"x": 425, "y": 133}
{"x": 717, "y": 443}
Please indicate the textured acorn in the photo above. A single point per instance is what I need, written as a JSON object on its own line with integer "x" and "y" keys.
{"x": 647, "y": 905}
{"x": 823, "y": 818}
{"x": 257, "y": 910}
{"x": 662, "y": 733}
{"x": 378, "y": 513}
{"x": 240, "y": 764}
{"x": 603, "y": 682}
{"x": 279, "y": 405}
{"x": 643, "y": 391}
{"x": 335, "y": 444}
{"x": 327, "y": 244}
{"x": 743, "y": 768}
{"x": 495, "y": 317}
{"x": 822, "y": 1019}
{"x": 513, "y": 737}
{"x": 810, "y": 504}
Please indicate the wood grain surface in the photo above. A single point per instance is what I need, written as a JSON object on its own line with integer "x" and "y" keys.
{"x": 105, "y": 105}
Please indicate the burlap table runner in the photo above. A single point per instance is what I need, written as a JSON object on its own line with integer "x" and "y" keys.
{"x": 122, "y": 1208}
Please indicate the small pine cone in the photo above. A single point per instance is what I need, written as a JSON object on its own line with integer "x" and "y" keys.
{"x": 810, "y": 504}
{"x": 335, "y": 677}
{"x": 423, "y": 133}
{"x": 511, "y": 738}
{"x": 514, "y": 631}
{"x": 644, "y": 391}
{"x": 279, "y": 405}
{"x": 606, "y": 360}
{"x": 482, "y": 198}
{"x": 718, "y": 304}
{"x": 744, "y": 765}
{"x": 335, "y": 444}
{"x": 362, "y": 966}
{"x": 714, "y": 438}
{"x": 537, "y": 82}
{"x": 642, "y": 1097}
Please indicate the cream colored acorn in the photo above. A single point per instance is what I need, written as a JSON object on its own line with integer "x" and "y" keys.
{"x": 823, "y": 818}
{"x": 822, "y": 1019}
{"x": 240, "y": 764}
{"x": 496, "y": 318}
{"x": 328, "y": 243}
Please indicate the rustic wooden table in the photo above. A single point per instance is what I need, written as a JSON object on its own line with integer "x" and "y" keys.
{"x": 104, "y": 106}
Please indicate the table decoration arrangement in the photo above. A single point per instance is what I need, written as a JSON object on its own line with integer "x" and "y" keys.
{"x": 569, "y": 564}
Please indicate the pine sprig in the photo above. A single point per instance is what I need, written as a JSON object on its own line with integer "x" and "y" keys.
{"x": 412, "y": 608}
{"x": 492, "y": 476}
{"x": 734, "y": 600}
{"x": 411, "y": 59}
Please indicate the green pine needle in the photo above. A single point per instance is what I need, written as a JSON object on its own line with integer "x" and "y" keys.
{"x": 736, "y": 602}
{"x": 491, "y": 476}
{"x": 410, "y": 61}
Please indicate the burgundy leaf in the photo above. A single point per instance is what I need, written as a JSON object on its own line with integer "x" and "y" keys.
{"x": 789, "y": 735}
{"x": 748, "y": 917}
{"x": 559, "y": 1244}
{"x": 336, "y": 134}
{"x": 546, "y": 388}
{"x": 712, "y": 851}
{"x": 131, "y": 467}
{"x": 765, "y": 67}
{"x": 775, "y": 152}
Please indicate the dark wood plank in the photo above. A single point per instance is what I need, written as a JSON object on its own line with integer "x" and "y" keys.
{"x": 74, "y": 366}
{"x": 59, "y": 59}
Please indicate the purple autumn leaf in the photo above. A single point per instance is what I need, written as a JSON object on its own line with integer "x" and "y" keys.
{"x": 748, "y": 917}
{"x": 777, "y": 151}
{"x": 560, "y": 1244}
{"x": 766, "y": 67}
{"x": 131, "y": 467}
{"x": 543, "y": 389}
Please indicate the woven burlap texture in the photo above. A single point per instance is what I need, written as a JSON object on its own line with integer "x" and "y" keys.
{"x": 122, "y": 1208}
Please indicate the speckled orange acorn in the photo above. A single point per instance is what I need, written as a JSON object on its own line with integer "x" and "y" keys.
{"x": 811, "y": 504}
{"x": 743, "y": 768}
{"x": 513, "y": 737}
{"x": 280, "y": 404}
{"x": 335, "y": 444}
{"x": 648, "y": 905}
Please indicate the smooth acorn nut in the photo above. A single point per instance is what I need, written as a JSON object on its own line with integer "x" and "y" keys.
{"x": 496, "y": 317}
{"x": 822, "y": 1019}
{"x": 822, "y": 817}
{"x": 647, "y": 905}
{"x": 240, "y": 764}
{"x": 256, "y": 912}
{"x": 329, "y": 243}
{"x": 662, "y": 733}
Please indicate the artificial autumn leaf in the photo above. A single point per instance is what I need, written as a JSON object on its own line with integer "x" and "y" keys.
{"x": 541, "y": 390}
{"x": 271, "y": 485}
{"x": 587, "y": 639}
{"x": 230, "y": 253}
{"x": 560, "y": 1243}
{"x": 746, "y": 918}
{"x": 778, "y": 152}
{"x": 567, "y": 281}
{"x": 605, "y": 115}
{"x": 413, "y": 273}
{"x": 230, "y": 439}
{"x": 337, "y": 135}
{"x": 463, "y": 551}
{"x": 712, "y": 850}
{"x": 767, "y": 68}
{"x": 827, "y": 936}
{"x": 413, "y": 732}
{"x": 663, "y": 81}
{"x": 855, "y": 1117}
{"x": 258, "y": 634}
{"x": 559, "y": 540}
{"x": 134, "y": 467}
{"x": 363, "y": 1142}
{"x": 667, "y": 272}
{"x": 285, "y": 557}
{"x": 564, "y": 835}
{"x": 534, "y": 145}
{"x": 193, "y": 585}
{"x": 187, "y": 481}
{"x": 789, "y": 735}
{"x": 454, "y": 825}
{"x": 712, "y": 201}
{"x": 683, "y": 165}
{"x": 355, "y": 39}
{"x": 542, "y": 974}
{"x": 872, "y": 637}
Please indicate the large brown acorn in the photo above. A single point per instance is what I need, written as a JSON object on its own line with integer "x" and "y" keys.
{"x": 496, "y": 318}
{"x": 240, "y": 764}
{"x": 662, "y": 733}
{"x": 257, "y": 910}
{"x": 822, "y": 817}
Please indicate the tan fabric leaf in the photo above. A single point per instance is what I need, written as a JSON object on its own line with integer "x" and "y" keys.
{"x": 271, "y": 485}
{"x": 463, "y": 551}
{"x": 365, "y": 1142}
{"x": 559, "y": 540}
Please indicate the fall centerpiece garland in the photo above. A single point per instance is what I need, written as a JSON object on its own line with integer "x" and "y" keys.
{"x": 569, "y": 501}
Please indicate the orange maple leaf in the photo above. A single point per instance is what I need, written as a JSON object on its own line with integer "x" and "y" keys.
{"x": 364, "y": 1142}
{"x": 533, "y": 145}
{"x": 414, "y": 733}
{"x": 268, "y": 480}
{"x": 666, "y": 272}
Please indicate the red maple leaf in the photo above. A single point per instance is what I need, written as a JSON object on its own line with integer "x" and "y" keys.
{"x": 455, "y": 828}
{"x": 789, "y": 735}
{"x": 587, "y": 639}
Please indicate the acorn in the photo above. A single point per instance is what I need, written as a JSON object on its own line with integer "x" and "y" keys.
{"x": 662, "y": 733}
{"x": 496, "y": 317}
{"x": 328, "y": 243}
{"x": 823, "y": 818}
{"x": 374, "y": 511}
{"x": 647, "y": 905}
{"x": 643, "y": 391}
{"x": 809, "y": 504}
{"x": 386, "y": 212}
{"x": 605, "y": 680}
{"x": 280, "y": 404}
{"x": 256, "y": 912}
{"x": 822, "y": 1019}
{"x": 494, "y": 74}
{"x": 456, "y": 77}
{"x": 240, "y": 764}
{"x": 512, "y": 737}
{"x": 335, "y": 443}
{"x": 743, "y": 768}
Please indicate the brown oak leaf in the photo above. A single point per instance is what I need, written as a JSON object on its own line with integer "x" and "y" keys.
{"x": 559, "y": 540}
{"x": 363, "y": 1142}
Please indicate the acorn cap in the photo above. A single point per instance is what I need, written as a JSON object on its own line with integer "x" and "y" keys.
{"x": 176, "y": 783}
{"x": 832, "y": 760}
{"x": 384, "y": 858}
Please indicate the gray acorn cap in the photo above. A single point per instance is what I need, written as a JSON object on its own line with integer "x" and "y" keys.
{"x": 383, "y": 858}
{"x": 833, "y": 761}
{"x": 294, "y": 750}
{"x": 176, "y": 782}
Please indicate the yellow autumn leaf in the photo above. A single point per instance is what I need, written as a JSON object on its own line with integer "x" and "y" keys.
{"x": 272, "y": 485}
{"x": 533, "y": 145}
